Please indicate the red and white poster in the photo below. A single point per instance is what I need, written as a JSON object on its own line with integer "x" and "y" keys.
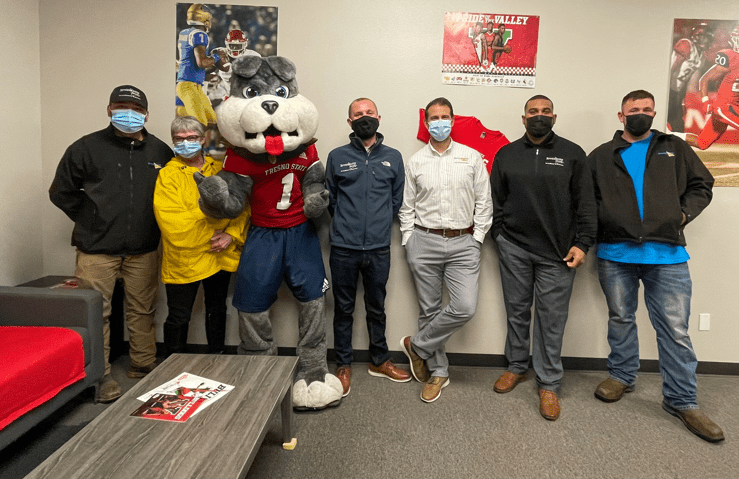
{"x": 169, "y": 407}
{"x": 704, "y": 93}
{"x": 490, "y": 49}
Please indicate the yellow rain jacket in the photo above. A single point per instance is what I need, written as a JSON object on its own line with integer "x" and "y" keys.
{"x": 186, "y": 231}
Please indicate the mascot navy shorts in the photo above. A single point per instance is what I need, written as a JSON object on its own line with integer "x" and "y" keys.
{"x": 272, "y": 255}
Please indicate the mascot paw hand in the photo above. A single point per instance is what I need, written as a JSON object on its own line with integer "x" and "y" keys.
{"x": 317, "y": 395}
{"x": 315, "y": 204}
{"x": 213, "y": 194}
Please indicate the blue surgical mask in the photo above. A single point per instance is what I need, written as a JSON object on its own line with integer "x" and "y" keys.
{"x": 440, "y": 129}
{"x": 187, "y": 149}
{"x": 127, "y": 121}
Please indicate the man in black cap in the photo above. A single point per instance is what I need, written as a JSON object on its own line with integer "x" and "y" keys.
{"x": 105, "y": 184}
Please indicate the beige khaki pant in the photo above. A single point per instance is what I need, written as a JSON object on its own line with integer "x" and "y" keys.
{"x": 140, "y": 278}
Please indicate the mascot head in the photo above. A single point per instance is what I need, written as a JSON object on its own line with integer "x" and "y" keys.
{"x": 265, "y": 116}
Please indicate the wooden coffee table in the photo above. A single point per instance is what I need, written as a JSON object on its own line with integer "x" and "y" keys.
{"x": 219, "y": 442}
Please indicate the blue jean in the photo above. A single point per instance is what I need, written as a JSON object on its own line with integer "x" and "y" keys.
{"x": 528, "y": 278}
{"x": 667, "y": 291}
{"x": 346, "y": 265}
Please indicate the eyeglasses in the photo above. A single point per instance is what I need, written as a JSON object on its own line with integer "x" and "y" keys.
{"x": 179, "y": 139}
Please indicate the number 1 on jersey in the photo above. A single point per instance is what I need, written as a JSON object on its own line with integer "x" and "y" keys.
{"x": 287, "y": 188}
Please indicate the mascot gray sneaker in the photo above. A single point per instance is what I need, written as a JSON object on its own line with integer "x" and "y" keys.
{"x": 272, "y": 165}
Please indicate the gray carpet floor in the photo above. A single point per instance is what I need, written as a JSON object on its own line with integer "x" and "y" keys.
{"x": 382, "y": 429}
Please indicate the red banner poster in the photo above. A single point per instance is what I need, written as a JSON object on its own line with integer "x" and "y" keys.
{"x": 490, "y": 49}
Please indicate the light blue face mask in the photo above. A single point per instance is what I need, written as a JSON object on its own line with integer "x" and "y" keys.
{"x": 127, "y": 121}
{"x": 187, "y": 149}
{"x": 440, "y": 129}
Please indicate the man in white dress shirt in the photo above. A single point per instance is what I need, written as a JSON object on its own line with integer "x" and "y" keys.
{"x": 447, "y": 210}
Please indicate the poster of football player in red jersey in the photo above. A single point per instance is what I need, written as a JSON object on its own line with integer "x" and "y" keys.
{"x": 490, "y": 49}
{"x": 704, "y": 93}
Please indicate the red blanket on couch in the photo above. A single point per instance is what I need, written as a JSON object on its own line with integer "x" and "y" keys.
{"x": 37, "y": 363}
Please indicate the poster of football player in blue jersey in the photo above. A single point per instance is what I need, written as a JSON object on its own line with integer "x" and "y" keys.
{"x": 209, "y": 36}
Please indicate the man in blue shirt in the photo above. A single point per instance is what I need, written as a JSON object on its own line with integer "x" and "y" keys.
{"x": 365, "y": 182}
{"x": 648, "y": 186}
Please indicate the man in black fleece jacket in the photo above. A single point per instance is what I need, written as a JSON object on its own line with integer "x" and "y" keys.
{"x": 544, "y": 222}
{"x": 648, "y": 186}
{"x": 105, "y": 184}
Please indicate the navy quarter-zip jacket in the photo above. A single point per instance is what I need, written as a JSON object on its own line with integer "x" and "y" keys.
{"x": 365, "y": 193}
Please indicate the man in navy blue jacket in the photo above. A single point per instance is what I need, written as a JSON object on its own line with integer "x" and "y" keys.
{"x": 365, "y": 182}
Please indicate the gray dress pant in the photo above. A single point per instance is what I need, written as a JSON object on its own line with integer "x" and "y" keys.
{"x": 527, "y": 277}
{"x": 436, "y": 261}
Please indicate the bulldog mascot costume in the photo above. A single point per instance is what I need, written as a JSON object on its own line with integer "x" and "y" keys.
{"x": 273, "y": 164}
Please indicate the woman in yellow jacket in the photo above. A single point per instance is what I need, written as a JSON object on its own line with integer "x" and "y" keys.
{"x": 196, "y": 248}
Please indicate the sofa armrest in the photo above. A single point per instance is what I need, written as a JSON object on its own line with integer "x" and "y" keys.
{"x": 22, "y": 306}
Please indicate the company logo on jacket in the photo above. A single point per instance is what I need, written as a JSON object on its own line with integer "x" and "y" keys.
{"x": 554, "y": 161}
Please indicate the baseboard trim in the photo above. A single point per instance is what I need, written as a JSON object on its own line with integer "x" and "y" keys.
{"x": 498, "y": 360}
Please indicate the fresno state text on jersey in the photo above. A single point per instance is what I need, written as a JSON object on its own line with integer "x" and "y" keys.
{"x": 276, "y": 197}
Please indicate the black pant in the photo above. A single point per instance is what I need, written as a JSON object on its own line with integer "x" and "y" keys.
{"x": 180, "y": 300}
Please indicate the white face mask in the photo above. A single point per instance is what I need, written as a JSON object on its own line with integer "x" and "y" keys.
{"x": 440, "y": 129}
{"x": 187, "y": 149}
{"x": 127, "y": 121}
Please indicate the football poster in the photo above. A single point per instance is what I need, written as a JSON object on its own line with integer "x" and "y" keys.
{"x": 703, "y": 106}
{"x": 490, "y": 49}
{"x": 208, "y": 38}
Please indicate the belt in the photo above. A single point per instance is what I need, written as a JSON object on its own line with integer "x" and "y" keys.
{"x": 447, "y": 233}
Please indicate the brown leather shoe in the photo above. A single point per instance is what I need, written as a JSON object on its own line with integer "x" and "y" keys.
{"x": 548, "y": 404}
{"x": 697, "y": 423}
{"x": 344, "y": 373}
{"x": 507, "y": 381}
{"x": 418, "y": 365}
{"x": 137, "y": 372}
{"x": 432, "y": 389}
{"x": 611, "y": 390}
{"x": 108, "y": 390}
{"x": 390, "y": 371}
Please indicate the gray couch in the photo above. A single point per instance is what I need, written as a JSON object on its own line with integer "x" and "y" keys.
{"x": 78, "y": 309}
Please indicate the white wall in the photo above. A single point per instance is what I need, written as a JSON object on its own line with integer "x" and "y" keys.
{"x": 22, "y": 194}
{"x": 590, "y": 54}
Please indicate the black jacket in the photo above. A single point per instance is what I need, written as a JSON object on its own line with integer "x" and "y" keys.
{"x": 675, "y": 182}
{"x": 105, "y": 184}
{"x": 543, "y": 196}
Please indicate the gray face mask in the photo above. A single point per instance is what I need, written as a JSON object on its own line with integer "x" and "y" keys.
{"x": 638, "y": 124}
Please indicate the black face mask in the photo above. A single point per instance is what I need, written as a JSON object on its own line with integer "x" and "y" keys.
{"x": 638, "y": 124}
{"x": 539, "y": 126}
{"x": 365, "y": 127}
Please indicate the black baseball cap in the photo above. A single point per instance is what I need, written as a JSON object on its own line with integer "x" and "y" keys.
{"x": 128, "y": 93}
